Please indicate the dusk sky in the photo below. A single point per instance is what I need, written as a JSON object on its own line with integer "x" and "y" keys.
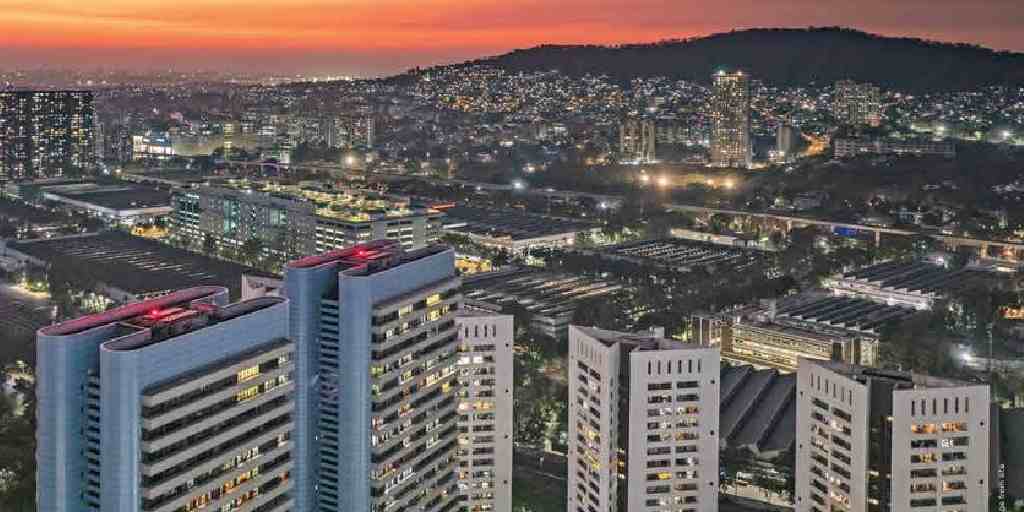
{"x": 371, "y": 37}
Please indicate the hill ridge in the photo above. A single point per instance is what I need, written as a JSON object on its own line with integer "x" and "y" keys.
{"x": 784, "y": 57}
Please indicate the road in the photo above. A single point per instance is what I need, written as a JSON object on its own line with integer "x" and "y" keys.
{"x": 21, "y": 314}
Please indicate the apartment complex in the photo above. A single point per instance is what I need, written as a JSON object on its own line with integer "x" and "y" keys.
{"x": 377, "y": 348}
{"x": 730, "y": 120}
{"x": 45, "y": 133}
{"x": 857, "y": 104}
{"x": 872, "y": 440}
{"x": 637, "y": 141}
{"x": 643, "y": 423}
{"x": 175, "y": 403}
{"x": 291, "y": 221}
{"x": 485, "y": 410}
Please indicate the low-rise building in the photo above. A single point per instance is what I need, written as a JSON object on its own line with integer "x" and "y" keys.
{"x": 515, "y": 232}
{"x": 550, "y": 297}
{"x": 914, "y": 285}
{"x": 291, "y": 221}
{"x": 117, "y": 205}
{"x": 779, "y": 333}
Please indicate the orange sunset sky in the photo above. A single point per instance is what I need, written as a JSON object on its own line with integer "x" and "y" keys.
{"x": 370, "y": 37}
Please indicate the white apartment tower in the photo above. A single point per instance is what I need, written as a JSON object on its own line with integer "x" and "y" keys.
{"x": 485, "y": 410}
{"x": 643, "y": 423}
{"x": 874, "y": 440}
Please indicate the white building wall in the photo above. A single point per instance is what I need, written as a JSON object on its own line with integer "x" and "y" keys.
{"x": 485, "y": 367}
{"x": 673, "y": 438}
{"x": 944, "y": 431}
{"x": 593, "y": 424}
{"x": 832, "y": 415}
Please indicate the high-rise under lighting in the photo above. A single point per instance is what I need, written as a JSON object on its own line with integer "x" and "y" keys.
{"x": 730, "y": 121}
{"x": 46, "y": 134}
{"x": 377, "y": 344}
{"x": 175, "y": 403}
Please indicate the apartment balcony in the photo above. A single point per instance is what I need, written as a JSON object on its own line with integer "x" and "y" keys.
{"x": 225, "y": 395}
{"x": 226, "y": 439}
{"x": 154, "y": 489}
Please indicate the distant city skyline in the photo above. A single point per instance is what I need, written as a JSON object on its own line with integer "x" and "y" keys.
{"x": 372, "y": 38}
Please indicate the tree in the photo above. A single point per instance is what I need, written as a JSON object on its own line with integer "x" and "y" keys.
{"x": 209, "y": 245}
{"x": 251, "y": 251}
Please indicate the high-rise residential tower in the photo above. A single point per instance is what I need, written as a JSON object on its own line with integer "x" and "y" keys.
{"x": 175, "y": 403}
{"x": 857, "y": 104}
{"x": 730, "y": 120}
{"x": 485, "y": 410}
{"x": 874, "y": 440}
{"x": 376, "y": 353}
{"x": 46, "y": 133}
{"x": 643, "y": 423}
{"x": 637, "y": 141}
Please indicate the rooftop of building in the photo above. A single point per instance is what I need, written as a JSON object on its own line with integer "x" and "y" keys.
{"x": 135, "y": 265}
{"x": 161, "y": 324}
{"x": 128, "y": 311}
{"x": 758, "y": 409}
{"x": 822, "y": 313}
{"x": 649, "y": 341}
{"x": 901, "y": 379}
{"x": 368, "y": 258}
{"x": 509, "y": 223}
{"x": 342, "y": 204}
{"x": 115, "y": 197}
{"x": 918, "y": 277}
{"x": 676, "y": 253}
{"x": 546, "y": 293}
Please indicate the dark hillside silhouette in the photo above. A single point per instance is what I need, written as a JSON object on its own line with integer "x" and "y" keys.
{"x": 787, "y": 57}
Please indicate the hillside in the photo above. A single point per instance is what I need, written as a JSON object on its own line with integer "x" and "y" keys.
{"x": 787, "y": 57}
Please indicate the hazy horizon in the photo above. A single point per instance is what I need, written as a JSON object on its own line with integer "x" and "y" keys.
{"x": 381, "y": 37}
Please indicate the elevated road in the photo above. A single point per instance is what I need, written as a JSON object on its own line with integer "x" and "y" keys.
{"x": 1007, "y": 252}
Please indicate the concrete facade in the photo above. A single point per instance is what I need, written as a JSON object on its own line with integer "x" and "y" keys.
{"x": 877, "y": 440}
{"x": 485, "y": 412}
{"x": 643, "y": 423}
{"x": 377, "y": 346}
{"x": 162, "y": 405}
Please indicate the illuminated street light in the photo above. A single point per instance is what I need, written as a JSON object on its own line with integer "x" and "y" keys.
{"x": 645, "y": 178}
{"x": 518, "y": 185}
{"x": 662, "y": 181}
{"x": 729, "y": 184}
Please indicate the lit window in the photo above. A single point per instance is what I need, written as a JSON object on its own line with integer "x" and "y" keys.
{"x": 249, "y": 373}
{"x": 247, "y": 394}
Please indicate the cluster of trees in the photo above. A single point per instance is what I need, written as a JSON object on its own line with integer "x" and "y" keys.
{"x": 17, "y": 452}
{"x": 541, "y": 394}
